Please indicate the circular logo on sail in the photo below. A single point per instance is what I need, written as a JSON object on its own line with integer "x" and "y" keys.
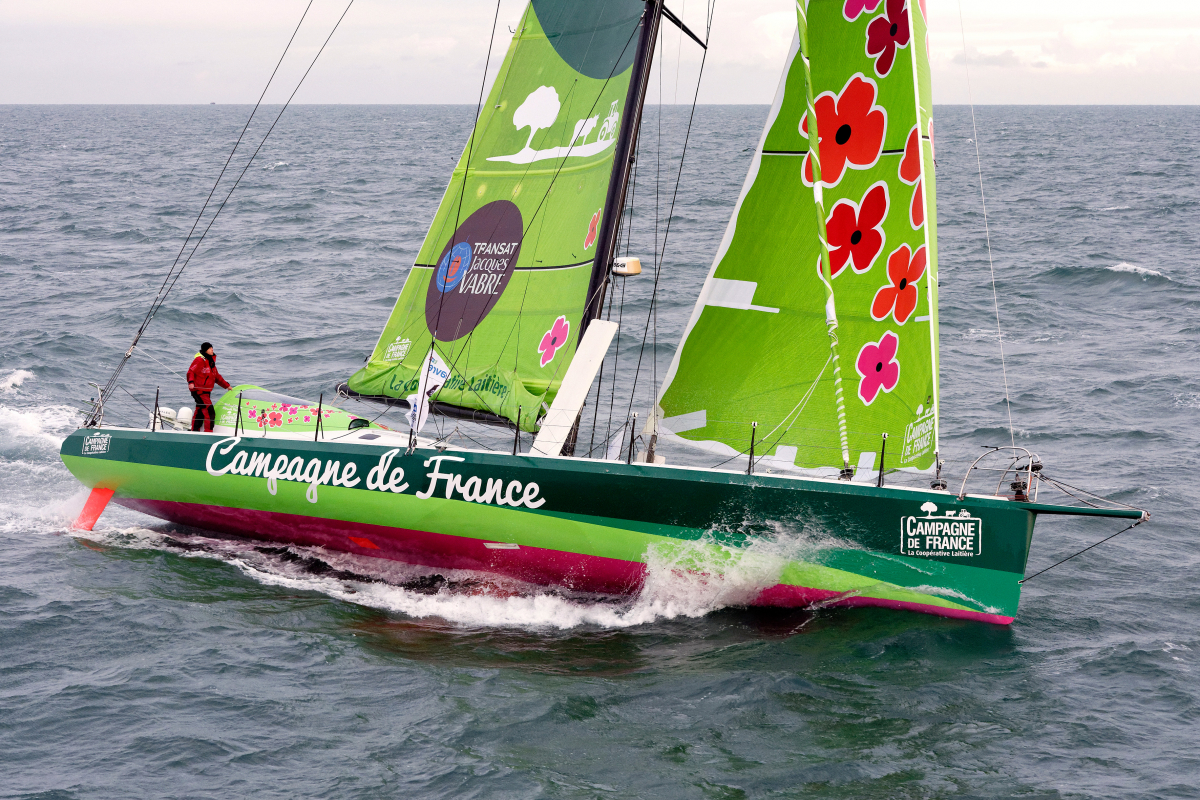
{"x": 473, "y": 270}
{"x": 453, "y": 266}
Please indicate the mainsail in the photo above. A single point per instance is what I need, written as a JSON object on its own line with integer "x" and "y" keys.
{"x": 828, "y": 339}
{"x": 522, "y": 240}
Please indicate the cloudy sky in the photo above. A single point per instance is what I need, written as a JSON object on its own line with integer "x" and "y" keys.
{"x": 418, "y": 51}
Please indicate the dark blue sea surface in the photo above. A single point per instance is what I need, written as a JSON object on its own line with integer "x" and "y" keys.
{"x": 145, "y": 660}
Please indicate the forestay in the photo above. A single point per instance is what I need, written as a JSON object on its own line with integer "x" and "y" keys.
{"x": 773, "y": 324}
{"x": 500, "y": 284}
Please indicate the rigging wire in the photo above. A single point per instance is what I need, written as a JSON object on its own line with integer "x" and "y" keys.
{"x": 467, "y": 166}
{"x": 987, "y": 233}
{"x": 670, "y": 216}
{"x": 1081, "y": 552}
{"x": 173, "y": 275}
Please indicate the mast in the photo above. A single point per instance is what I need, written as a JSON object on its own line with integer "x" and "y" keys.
{"x": 614, "y": 203}
{"x": 618, "y": 185}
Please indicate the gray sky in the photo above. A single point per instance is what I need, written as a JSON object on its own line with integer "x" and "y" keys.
{"x": 418, "y": 51}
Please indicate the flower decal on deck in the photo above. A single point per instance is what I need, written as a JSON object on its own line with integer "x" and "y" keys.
{"x": 851, "y": 9}
{"x": 275, "y": 419}
{"x": 886, "y": 34}
{"x": 855, "y": 230}
{"x": 877, "y": 366}
{"x": 899, "y": 298}
{"x": 593, "y": 228}
{"x": 850, "y": 130}
{"x": 553, "y": 339}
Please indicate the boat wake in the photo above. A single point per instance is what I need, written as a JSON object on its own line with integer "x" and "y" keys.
{"x": 684, "y": 580}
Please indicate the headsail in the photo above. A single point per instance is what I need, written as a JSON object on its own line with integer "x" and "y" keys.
{"x": 769, "y": 329}
{"x": 501, "y": 284}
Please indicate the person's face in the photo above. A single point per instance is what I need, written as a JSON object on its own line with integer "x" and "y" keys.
{"x": 211, "y": 352}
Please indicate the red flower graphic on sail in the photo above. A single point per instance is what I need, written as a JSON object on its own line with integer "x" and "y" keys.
{"x": 855, "y": 230}
{"x": 910, "y": 173}
{"x": 590, "y": 239}
{"x": 276, "y": 419}
{"x": 877, "y": 366}
{"x": 851, "y": 9}
{"x": 886, "y": 33}
{"x": 553, "y": 339}
{"x": 850, "y": 129}
{"x": 900, "y": 297}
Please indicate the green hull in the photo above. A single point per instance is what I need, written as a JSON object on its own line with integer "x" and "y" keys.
{"x": 588, "y": 525}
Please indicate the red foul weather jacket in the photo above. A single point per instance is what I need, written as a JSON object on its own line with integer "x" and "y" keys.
{"x": 202, "y": 375}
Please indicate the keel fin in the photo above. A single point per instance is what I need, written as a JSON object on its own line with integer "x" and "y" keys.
{"x": 96, "y": 503}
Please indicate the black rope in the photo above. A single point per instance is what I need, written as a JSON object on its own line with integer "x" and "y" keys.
{"x": 667, "y": 232}
{"x": 1081, "y": 552}
{"x": 160, "y": 296}
{"x": 173, "y": 274}
{"x": 470, "y": 152}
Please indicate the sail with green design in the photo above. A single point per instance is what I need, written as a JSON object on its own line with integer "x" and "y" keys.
{"x": 519, "y": 246}
{"x": 818, "y": 320}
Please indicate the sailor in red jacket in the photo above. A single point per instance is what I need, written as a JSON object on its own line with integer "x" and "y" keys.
{"x": 201, "y": 376}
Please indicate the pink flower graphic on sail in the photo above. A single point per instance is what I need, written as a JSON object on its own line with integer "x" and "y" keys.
{"x": 553, "y": 339}
{"x": 850, "y": 129}
{"x": 899, "y": 298}
{"x": 886, "y": 33}
{"x": 855, "y": 230}
{"x": 853, "y": 8}
{"x": 593, "y": 227}
{"x": 877, "y": 366}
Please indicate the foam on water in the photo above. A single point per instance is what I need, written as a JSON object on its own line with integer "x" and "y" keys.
{"x": 1145, "y": 272}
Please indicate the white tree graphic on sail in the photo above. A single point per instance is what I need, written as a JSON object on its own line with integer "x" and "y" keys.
{"x": 540, "y": 110}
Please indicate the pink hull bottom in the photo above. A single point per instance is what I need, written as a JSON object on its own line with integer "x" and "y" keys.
{"x": 530, "y": 564}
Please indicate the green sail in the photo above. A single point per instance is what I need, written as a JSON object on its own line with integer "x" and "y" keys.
{"x": 500, "y": 284}
{"x": 758, "y": 347}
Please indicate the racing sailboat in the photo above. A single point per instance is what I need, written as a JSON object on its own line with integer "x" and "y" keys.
{"x": 808, "y": 369}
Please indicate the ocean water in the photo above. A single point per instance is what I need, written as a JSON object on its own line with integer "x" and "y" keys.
{"x": 153, "y": 661}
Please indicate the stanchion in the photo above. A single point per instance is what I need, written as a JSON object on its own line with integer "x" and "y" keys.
{"x": 750, "y": 463}
{"x": 882, "y": 453}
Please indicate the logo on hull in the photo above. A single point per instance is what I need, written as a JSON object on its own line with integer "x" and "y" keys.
{"x": 952, "y": 533}
{"x": 96, "y": 444}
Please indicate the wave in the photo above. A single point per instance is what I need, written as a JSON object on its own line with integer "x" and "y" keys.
{"x": 1136, "y": 270}
{"x": 14, "y": 380}
{"x": 1120, "y": 271}
{"x": 45, "y": 424}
